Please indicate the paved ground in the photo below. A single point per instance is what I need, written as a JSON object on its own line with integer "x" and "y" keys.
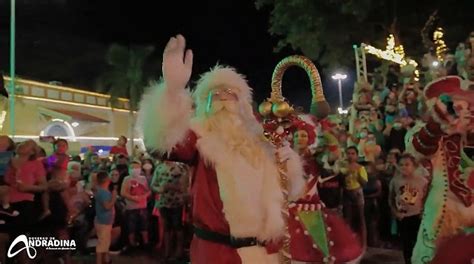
{"x": 373, "y": 255}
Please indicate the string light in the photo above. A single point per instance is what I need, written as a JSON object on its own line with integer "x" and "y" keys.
{"x": 77, "y": 138}
{"x": 400, "y": 50}
{"x": 391, "y": 53}
{"x": 72, "y": 103}
{"x": 390, "y": 43}
{"x": 439, "y": 43}
{"x": 417, "y": 75}
{"x": 29, "y": 83}
{"x": 3, "y": 116}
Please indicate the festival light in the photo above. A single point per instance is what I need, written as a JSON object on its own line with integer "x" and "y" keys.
{"x": 391, "y": 53}
{"x": 342, "y": 111}
{"x": 435, "y": 64}
{"x": 3, "y": 116}
{"x": 439, "y": 43}
{"x": 20, "y": 81}
{"x": 339, "y": 77}
{"x": 72, "y": 103}
{"x": 417, "y": 75}
{"x": 70, "y": 128}
{"x": 62, "y": 88}
{"x": 77, "y": 138}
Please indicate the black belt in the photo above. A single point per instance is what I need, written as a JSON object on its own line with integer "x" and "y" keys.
{"x": 235, "y": 242}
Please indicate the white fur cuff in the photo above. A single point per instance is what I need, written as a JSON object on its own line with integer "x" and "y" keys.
{"x": 296, "y": 179}
{"x": 164, "y": 116}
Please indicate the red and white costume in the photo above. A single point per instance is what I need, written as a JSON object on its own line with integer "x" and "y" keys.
{"x": 449, "y": 204}
{"x": 230, "y": 195}
{"x": 331, "y": 239}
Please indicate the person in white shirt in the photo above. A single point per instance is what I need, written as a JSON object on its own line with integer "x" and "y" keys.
{"x": 135, "y": 190}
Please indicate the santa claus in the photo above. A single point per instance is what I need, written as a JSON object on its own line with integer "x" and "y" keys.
{"x": 446, "y": 140}
{"x": 236, "y": 193}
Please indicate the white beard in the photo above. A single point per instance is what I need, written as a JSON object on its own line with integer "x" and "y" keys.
{"x": 241, "y": 133}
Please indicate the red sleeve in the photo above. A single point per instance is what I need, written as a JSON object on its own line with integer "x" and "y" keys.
{"x": 113, "y": 150}
{"x": 426, "y": 140}
{"x": 118, "y": 150}
{"x": 185, "y": 151}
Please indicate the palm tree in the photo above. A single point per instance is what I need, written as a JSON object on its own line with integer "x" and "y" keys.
{"x": 125, "y": 77}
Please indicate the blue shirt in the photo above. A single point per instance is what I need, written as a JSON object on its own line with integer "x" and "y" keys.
{"x": 103, "y": 216}
{"x": 5, "y": 158}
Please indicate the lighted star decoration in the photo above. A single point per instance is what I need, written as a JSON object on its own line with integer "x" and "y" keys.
{"x": 392, "y": 53}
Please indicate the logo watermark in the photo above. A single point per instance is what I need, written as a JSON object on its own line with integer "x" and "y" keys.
{"x": 31, "y": 243}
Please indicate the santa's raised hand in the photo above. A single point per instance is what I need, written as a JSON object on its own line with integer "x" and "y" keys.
{"x": 177, "y": 63}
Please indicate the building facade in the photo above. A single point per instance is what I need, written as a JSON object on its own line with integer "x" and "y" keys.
{"x": 80, "y": 116}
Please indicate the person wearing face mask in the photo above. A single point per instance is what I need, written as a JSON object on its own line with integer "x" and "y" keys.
{"x": 148, "y": 169}
{"x": 361, "y": 142}
{"x": 395, "y": 135}
{"x": 371, "y": 149}
{"x": 135, "y": 190}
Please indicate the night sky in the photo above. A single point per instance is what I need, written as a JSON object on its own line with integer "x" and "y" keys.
{"x": 65, "y": 40}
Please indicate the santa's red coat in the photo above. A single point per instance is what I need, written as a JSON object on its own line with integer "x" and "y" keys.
{"x": 207, "y": 207}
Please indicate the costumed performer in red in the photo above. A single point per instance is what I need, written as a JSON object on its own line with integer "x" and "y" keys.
{"x": 317, "y": 234}
{"x": 235, "y": 188}
{"x": 446, "y": 140}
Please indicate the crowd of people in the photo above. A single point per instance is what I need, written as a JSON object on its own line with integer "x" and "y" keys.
{"x": 114, "y": 204}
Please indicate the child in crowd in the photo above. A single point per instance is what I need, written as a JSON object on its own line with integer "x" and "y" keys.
{"x": 121, "y": 147}
{"x": 135, "y": 190}
{"x": 407, "y": 193}
{"x": 355, "y": 178}
{"x": 372, "y": 193}
{"x": 56, "y": 167}
{"x": 7, "y": 147}
{"x": 105, "y": 214}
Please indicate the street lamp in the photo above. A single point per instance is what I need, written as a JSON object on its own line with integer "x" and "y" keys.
{"x": 339, "y": 77}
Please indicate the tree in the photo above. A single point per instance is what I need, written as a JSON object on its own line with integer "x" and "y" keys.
{"x": 326, "y": 30}
{"x": 125, "y": 77}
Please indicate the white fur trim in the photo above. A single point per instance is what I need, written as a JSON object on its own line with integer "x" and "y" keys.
{"x": 164, "y": 116}
{"x": 251, "y": 196}
{"x": 255, "y": 255}
{"x": 410, "y": 148}
{"x": 217, "y": 77}
{"x": 296, "y": 179}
